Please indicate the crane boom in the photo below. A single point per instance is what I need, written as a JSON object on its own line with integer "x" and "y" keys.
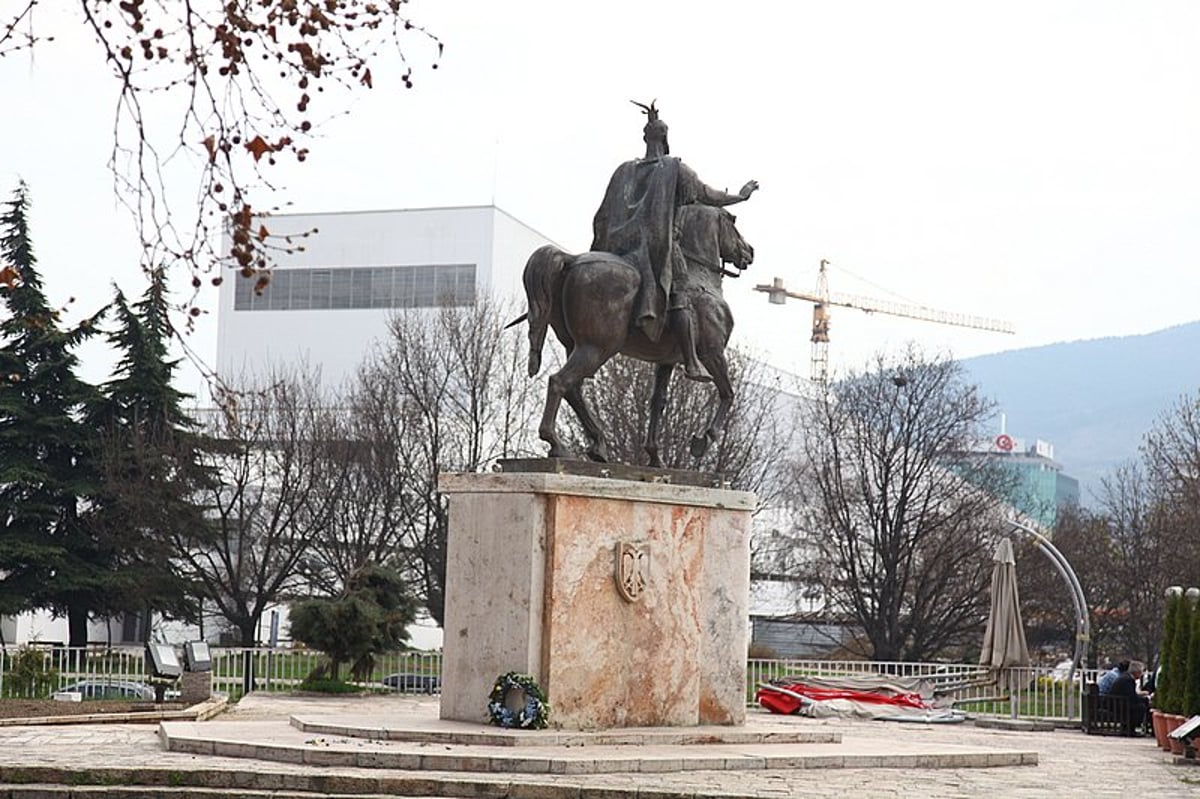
{"x": 870, "y": 305}
{"x": 822, "y": 299}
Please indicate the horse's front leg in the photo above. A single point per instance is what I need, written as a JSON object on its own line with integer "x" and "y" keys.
{"x": 714, "y": 361}
{"x": 658, "y": 403}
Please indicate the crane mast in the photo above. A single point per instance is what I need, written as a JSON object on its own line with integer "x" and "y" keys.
{"x": 822, "y": 299}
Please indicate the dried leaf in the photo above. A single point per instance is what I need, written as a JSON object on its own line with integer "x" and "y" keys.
{"x": 257, "y": 147}
{"x": 241, "y": 218}
{"x": 366, "y": 79}
{"x": 210, "y": 144}
{"x": 8, "y": 276}
{"x": 263, "y": 233}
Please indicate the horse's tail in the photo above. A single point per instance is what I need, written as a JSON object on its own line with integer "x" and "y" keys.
{"x": 543, "y": 275}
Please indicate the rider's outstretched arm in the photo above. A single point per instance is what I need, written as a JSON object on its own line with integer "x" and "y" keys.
{"x": 711, "y": 196}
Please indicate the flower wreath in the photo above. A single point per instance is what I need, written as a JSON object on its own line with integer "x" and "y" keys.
{"x": 533, "y": 715}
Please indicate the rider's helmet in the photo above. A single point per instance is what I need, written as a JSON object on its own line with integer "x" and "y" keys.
{"x": 655, "y": 129}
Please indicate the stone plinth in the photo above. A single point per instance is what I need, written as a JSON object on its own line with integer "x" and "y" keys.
{"x": 531, "y": 586}
{"x": 195, "y": 687}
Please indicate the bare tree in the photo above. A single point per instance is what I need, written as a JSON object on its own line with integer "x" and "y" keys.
{"x": 761, "y": 423}
{"x": 1171, "y": 453}
{"x": 367, "y": 525}
{"x": 1148, "y": 514}
{"x": 232, "y": 86}
{"x": 446, "y": 393}
{"x": 1148, "y": 552}
{"x": 1138, "y": 541}
{"x": 897, "y": 514}
{"x": 1083, "y": 536}
{"x": 1122, "y": 556}
{"x": 273, "y": 492}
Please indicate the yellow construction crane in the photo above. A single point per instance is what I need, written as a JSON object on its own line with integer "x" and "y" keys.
{"x": 822, "y": 299}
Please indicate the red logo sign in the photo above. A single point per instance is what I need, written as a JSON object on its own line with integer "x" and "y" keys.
{"x": 1004, "y": 442}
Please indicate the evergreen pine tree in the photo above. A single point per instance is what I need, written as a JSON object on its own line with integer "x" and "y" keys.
{"x": 1164, "y": 683}
{"x": 149, "y": 451}
{"x": 48, "y": 556}
{"x": 1191, "y": 683}
{"x": 1181, "y": 632}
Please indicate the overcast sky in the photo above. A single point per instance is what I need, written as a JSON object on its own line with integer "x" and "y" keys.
{"x": 1037, "y": 162}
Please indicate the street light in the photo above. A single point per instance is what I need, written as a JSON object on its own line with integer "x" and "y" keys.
{"x": 163, "y": 662}
{"x": 196, "y": 656}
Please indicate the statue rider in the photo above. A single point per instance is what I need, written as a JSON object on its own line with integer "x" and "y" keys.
{"x": 636, "y": 221}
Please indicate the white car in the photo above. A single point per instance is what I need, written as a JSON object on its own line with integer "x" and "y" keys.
{"x": 116, "y": 689}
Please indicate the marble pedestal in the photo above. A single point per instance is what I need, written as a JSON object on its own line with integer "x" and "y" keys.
{"x": 532, "y": 586}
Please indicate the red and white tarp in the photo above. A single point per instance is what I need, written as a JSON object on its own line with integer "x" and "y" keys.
{"x": 867, "y": 696}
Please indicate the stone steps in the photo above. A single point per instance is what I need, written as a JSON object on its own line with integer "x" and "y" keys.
{"x": 465, "y": 733}
{"x": 48, "y": 791}
{"x": 198, "y": 712}
{"x": 282, "y": 742}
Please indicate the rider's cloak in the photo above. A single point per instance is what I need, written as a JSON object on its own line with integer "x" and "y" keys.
{"x": 636, "y": 221}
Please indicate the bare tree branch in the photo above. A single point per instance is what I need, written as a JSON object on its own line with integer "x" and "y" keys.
{"x": 896, "y": 516}
{"x": 216, "y": 93}
{"x": 274, "y": 492}
{"x": 445, "y": 393}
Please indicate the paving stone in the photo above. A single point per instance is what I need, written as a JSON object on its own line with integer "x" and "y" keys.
{"x": 1062, "y": 763}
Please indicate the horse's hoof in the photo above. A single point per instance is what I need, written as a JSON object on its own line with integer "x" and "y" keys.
{"x": 598, "y": 454}
{"x": 655, "y": 461}
{"x": 699, "y": 446}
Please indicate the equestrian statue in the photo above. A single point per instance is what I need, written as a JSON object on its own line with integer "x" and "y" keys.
{"x": 649, "y": 288}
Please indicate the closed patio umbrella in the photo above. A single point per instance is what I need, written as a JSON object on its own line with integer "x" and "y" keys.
{"x": 1004, "y": 646}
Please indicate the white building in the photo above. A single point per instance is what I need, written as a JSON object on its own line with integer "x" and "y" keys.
{"x": 331, "y": 297}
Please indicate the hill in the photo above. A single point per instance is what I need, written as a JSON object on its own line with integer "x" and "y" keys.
{"x": 1095, "y": 399}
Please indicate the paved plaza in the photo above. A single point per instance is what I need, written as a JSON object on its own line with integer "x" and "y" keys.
{"x": 1064, "y": 763}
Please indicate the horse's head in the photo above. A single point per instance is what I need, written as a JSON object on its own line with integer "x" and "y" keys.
{"x": 734, "y": 249}
{"x": 708, "y": 238}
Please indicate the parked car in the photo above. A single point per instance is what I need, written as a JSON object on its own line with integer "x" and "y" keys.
{"x": 117, "y": 689}
{"x": 414, "y": 683}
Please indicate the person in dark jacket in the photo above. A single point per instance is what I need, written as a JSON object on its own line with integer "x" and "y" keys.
{"x": 1139, "y": 703}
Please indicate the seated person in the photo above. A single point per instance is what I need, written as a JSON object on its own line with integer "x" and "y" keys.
{"x": 1139, "y": 703}
{"x": 1150, "y": 681}
{"x": 1109, "y": 678}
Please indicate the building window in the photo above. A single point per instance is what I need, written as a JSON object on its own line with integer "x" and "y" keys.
{"x": 359, "y": 287}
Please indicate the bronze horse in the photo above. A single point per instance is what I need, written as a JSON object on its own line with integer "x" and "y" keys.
{"x": 588, "y": 299}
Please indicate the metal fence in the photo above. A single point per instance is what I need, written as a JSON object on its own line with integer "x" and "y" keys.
{"x": 38, "y": 672}
{"x": 1030, "y": 693}
{"x": 30, "y": 672}
{"x": 239, "y": 671}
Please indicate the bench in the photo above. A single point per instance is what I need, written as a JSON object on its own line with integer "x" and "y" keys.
{"x": 1108, "y": 715}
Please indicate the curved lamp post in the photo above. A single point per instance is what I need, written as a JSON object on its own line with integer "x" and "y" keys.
{"x": 1083, "y": 626}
